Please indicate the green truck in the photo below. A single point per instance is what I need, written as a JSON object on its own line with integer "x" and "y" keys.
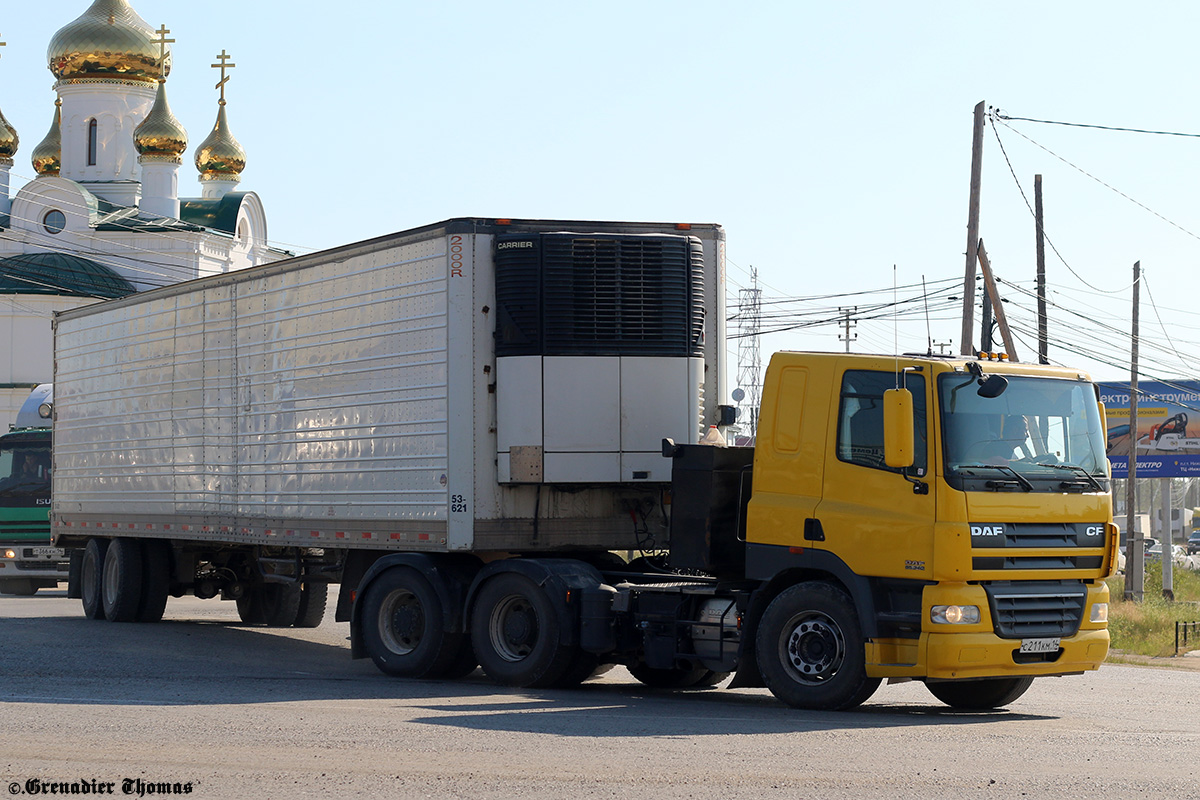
{"x": 27, "y": 560}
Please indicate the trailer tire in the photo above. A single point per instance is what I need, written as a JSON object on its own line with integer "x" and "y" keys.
{"x": 249, "y": 607}
{"x": 517, "y": 633}
{"x": 91, "y": 578}
{"x": 121, "y": 583}
{"x": 403, "y": 628}
{"x": 156, "y": 580}
{"x": 979, "y": 695}
{"x": 677, "y": 678}
{"x": 280, "y": 603}
{"x": 313, "y": 599}
{"x": 811, "y": 651}
{"x": 19, "y": 587}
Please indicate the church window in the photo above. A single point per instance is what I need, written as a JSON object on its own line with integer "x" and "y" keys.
{"x": 91, "y": 143}
{"x": 54, "y": 221}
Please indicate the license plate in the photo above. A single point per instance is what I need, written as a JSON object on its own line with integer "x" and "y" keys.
{"x": 49, "y": 552}
{"x": 1040, "y": 645}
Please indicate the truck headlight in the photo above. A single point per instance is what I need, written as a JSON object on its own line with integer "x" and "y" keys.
{"x": 1099, "y": 612}
{"x": 954, "y": 615}
{"x": 10, "y": 553}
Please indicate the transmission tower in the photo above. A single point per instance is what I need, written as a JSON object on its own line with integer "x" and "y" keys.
{"x": 749, "y": 356}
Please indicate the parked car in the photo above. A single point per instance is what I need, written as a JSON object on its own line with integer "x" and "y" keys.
{"x": 1193, "y": 543}
{"x": 1179, "y": 554}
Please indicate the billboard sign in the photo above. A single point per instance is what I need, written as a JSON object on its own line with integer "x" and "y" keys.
{"x": 1167, "y": 439}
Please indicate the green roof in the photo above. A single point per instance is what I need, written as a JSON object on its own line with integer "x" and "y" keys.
{"x": 60, "y": 274}
{"x": 218, "y": 214}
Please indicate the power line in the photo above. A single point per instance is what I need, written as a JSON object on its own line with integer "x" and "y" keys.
{"x": 1002, "y": 116}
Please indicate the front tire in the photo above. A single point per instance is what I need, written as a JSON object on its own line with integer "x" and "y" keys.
{"x": 516, "y": 633}
{"x": 983, "y": 694}
{"x": 810, "y": 649}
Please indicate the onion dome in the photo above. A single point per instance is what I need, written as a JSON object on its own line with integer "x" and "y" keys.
{"x": 220, "y": 157}
{"x": 8, "y": 141}
{"x": 160, "y": 135}
{"x": 47, "y": 156}
{"x": 109, "y": 42}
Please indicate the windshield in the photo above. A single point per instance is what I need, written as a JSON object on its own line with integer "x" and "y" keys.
{"x": 24, "y": 470}
{"x": 1037, "y": 428}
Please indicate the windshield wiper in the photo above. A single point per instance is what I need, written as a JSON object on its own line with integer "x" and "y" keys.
{"x": 1078, "y": 470}
{"x": 1021, "y": 481}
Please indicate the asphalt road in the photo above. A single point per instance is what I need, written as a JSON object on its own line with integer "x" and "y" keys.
{"x": 201, "y": 701}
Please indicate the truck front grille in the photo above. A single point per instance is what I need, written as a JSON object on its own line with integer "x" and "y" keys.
{"x": 1041, "y": 609}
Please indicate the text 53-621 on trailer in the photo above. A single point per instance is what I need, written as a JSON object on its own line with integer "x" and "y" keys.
{"x": 463, "y": 423}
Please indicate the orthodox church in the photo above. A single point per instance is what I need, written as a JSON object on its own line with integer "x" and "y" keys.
{"x": 103, "y": 217}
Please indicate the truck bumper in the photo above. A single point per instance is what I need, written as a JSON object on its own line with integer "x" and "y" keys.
{"x": 24, "y": 566}
{"x": 985, "y": 655}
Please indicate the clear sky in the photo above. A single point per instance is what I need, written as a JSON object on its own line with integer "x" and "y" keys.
{"x": 832, "y": 140}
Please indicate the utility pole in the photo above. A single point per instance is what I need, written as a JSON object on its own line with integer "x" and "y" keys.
{"x": 1135, "y": 575}
{"x": 989, "y": 281}
{"x": 967, "y": 339}
{"x": 1043, "y": 328}
{"x": 1168, "y": 539}
{"x": 847, "y": 324}
{"x": 749, "y": 356}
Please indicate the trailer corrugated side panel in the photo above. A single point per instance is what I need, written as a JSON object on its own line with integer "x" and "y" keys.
{"x": 280, "y": 397}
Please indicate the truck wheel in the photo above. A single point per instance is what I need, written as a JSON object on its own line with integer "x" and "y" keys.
{"x": 121, "y": 583}
{"x": 20, "y": 587}
{"x": 810, "y": 649}
{"x": 280, "y": 603}
{"x": 156, "y": 580}
{"x": 249, "y": 606}
{"x": 583, "y": 666}
{"x": 979, "y": 695}
{"x": 516, "y": 633}
{"x": 313, "y": 597}
{"x": 403, "y": 628}
{"x": 91, "y": 578}
{"x": 677, "y": 678}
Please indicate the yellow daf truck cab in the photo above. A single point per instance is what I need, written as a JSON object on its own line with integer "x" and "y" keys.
{"x": 960, "y": 506}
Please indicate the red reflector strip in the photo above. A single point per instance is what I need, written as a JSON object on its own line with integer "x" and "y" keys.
{"x": 795, "y": 549}
{"x": 423, "y": 537}
{"x": 366, "y": 536}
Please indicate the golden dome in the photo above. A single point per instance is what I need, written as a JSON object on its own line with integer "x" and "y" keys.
{"x": 220, "y": 157}
{"x": 110, "y": 41}
{"x": 160, "y": 135}
{"x": 8, "y": 141}
{"x": 47, "y": 156}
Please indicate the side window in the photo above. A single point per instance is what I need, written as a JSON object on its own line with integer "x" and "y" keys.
{"x": 860, "y": 418}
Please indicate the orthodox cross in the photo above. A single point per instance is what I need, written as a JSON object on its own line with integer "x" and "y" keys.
{"x": 162, "y": 41}
{"x": 223, "y": 57}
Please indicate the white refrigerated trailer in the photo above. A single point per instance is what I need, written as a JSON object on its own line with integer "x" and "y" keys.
{"x": 479, "y": 387}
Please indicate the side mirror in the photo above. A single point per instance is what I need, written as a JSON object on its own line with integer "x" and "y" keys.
{"x": 898, "y": 428}
{"x": 992, "y": 386}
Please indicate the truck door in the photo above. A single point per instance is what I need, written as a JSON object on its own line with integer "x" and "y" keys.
{"x": 870, "y": 515}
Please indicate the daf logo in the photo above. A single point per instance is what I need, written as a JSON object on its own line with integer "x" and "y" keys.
{"x": 1093, "y": 530}
{"x": 987, "y": 530}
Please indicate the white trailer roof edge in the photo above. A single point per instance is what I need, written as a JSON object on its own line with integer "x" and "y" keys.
{"x": 387, "y": 241}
